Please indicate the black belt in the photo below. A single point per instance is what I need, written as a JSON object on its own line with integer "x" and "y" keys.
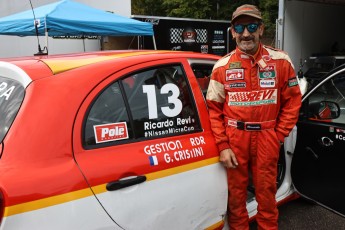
{"x": 250, "y": 126}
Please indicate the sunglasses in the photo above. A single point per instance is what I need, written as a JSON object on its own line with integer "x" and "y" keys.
{"x": 251, "y": 27}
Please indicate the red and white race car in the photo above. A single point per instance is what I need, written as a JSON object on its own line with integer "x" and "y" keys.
{"x": 108, "y": 140}
{"x": 113, "y": 140}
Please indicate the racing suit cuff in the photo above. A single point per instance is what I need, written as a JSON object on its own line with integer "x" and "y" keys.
{"x": 223, "y": 145}
{"x": 280, "y": 136}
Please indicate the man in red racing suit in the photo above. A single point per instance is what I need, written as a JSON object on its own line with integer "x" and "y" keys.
{"x": 253, "y": 100}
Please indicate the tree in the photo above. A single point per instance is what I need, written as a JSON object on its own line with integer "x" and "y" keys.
{"x": 207, "y": 9}
{"x": 187, "y": 9}
{"x": 148, "y": 7}
{"x": 269, "y": 9}
{"x": 202, "y": 9}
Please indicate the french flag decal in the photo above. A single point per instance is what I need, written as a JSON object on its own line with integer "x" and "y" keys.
{"x": 153, "y": 160}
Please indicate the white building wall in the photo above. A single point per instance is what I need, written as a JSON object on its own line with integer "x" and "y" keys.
{"x": 14, "y": 46}
{"x": 310, "y": 29}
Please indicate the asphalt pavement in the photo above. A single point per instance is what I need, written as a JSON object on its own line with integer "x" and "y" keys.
{"x": 302, "y": 215}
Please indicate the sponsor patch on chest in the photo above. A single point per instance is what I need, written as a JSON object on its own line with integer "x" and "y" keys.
{"x": 235, "y": 65}
{"x": 267, "y": 83}
{"x": 252, "y": 98}
{"x": 234, "y": 74}
{"x": 235, "y": 85}
{"x": 268, "y": 72}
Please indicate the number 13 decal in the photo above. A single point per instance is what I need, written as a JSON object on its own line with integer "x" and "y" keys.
{"x": 150, "y": 90}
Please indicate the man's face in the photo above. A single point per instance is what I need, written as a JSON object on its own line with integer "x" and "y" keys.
{"x": 247, "y": 41}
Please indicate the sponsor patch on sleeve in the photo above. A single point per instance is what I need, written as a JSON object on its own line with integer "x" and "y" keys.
{"x": 292, "y": 82}
{"x": 234, "y": 74}
{"x": 110, "y": 132}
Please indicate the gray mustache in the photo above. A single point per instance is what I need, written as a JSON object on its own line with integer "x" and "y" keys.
{"x": 247, "y": 38}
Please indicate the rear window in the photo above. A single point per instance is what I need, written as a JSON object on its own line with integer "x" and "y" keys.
{"x": 11, "y": 97}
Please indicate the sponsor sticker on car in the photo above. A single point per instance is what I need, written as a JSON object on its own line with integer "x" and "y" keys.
{"x": 111, "y": 132}
{"x": 6, "y": 90}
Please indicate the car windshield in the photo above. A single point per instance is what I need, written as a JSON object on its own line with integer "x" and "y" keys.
{"x": 11, "y": 97}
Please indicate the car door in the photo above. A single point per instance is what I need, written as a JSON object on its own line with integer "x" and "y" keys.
{"x": 317, "y": 168}
{"x": 143, "y": 141}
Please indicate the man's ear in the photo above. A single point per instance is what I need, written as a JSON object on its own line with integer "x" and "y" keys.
{"x": 233, "y": 33}
{"x": 261, "y": 30}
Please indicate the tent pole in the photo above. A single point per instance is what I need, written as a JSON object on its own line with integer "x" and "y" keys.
{"x": 46, "y": 32}
{"x": 84, "y": 43}
{"x": 154, "y": 42}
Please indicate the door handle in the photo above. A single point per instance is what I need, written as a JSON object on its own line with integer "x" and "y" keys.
{"x": 119, "y": 184}
{"x": 326, "y": 141}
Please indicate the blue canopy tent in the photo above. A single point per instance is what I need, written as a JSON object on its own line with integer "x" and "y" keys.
{"x": 69, "y": 18}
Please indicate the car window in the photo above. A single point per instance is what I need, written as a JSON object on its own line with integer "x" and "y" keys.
{"x": 332, "y": 90}
{"x": 202, "y": 73}
{"x": 11, "y": 97}
{"x": 107, "y": 117}
{"x": 152, "y": 103}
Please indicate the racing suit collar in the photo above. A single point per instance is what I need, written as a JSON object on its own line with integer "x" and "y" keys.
{"x": 255, "y": 59}
{"x": 244, "y": 55}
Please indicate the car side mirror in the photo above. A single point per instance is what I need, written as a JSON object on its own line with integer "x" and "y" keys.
{"x": 324, "y": 110}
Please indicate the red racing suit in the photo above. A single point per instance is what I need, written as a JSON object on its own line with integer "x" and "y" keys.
{"x": 253, "y": 104}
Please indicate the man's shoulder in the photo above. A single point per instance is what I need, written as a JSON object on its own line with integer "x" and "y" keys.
{"x": 272, "y": 48}
{"x": 223, "y": 61}
{"x": 276, "y": 53}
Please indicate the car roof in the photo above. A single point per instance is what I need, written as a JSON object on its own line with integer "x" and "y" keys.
{"x": 31, "y": 68}
{"x": 65, "y": 62}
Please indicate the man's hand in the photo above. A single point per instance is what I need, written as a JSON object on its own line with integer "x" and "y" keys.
{"x": 228, "y": 158}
